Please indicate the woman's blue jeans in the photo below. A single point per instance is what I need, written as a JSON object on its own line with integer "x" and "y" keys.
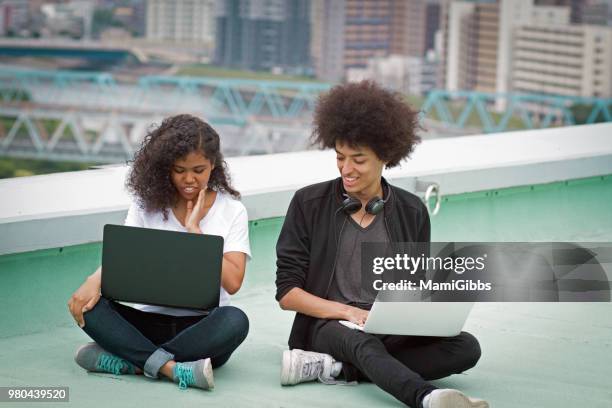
{"x": 150, "y": 340}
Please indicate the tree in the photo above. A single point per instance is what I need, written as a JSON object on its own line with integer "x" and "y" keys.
{"x": 582, "y": 111}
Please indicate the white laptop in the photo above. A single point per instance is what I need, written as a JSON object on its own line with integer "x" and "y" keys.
{"x": 442, "y": 319}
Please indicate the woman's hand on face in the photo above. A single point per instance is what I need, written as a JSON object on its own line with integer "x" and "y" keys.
{"x": 356, "y": 315}
{"x": 195, "y": 213}
{"x": 83, "y": 300}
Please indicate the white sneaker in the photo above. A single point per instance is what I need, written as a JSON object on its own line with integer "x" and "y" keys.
{"x": 301, "y": 366}
{"x": 448, "y": 398}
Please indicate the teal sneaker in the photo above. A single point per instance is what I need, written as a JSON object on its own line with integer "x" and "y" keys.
{"x": 194, "y": 374}
{"x": 93, "y": 358}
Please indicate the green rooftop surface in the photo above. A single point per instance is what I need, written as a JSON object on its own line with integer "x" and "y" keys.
{"x": 534, "y": 354}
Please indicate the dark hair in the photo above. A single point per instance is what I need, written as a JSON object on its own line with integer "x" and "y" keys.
{"x": 366, "y": 114}
{"x": 177, "y": 136}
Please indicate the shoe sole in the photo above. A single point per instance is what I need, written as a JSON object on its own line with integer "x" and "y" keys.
{"x": 286, "y": 368}
{"x": 208, "y": 374}
{"x": 455, "y": 399}
{"x": 76, "y": 354}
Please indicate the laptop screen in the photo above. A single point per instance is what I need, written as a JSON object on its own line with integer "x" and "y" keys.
{"x": 165, "y": 268}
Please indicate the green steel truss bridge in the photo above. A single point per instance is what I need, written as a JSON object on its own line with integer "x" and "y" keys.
{"x": 503, "y": 112}
{"x": 89, "y": 116}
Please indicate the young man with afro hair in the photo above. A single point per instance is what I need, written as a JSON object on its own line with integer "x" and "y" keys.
{"x": 319, "y": 253}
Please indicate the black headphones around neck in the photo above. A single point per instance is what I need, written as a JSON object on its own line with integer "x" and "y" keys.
{"x": 351, "y": 205}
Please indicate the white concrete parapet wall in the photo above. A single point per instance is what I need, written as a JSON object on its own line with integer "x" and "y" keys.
{"x": 62, "y": 209}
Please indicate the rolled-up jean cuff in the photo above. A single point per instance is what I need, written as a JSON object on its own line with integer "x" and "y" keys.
{"x": 156, "y": 361}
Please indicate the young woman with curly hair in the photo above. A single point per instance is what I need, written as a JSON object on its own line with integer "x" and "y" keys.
{"x": 179, "y": 182}
{"x": 319, "y": 257}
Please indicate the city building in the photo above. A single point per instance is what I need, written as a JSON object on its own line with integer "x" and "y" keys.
{"x": 478, "y": 40}
{"x": 598, "y": 13}
{"x": 432, "y": 23}
{"x": 408, "y": 27}
{"x": 14, "y": 17}
{"x": 413, "y": 26}
{"x": 524, "y": 46}
{"x": 72, "y": 18}
{"x": 264, "y": 35}
{"x": 181, "y": 21}
{"x": 408, "y": 75}
{"x": 347, "y": 34}
{"x": 573, "y": 60}
{"x": 368, "y": 31}
{"x": 132, "y": 17}
{"x": 327, "y": 40}
{"x": 582, "y": 11}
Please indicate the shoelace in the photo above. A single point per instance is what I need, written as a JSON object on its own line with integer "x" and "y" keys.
{"x": 315, "y": 368}
{"x": 112, "y": 364}
{"x": 312, "y": 369}
{"x": 333, "y": 381}
{"x": 184, "y": 375}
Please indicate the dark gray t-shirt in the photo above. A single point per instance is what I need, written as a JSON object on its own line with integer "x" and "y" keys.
{"x": 347, "y": 286}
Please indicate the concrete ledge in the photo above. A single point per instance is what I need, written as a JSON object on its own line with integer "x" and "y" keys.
{"x": 70, "y": 208}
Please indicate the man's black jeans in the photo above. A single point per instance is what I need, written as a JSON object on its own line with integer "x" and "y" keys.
{"x": 400, "y": 365}
{"x": 150, "y": 340}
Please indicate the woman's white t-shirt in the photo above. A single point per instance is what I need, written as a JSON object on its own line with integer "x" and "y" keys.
{"x": 227, "y": 218}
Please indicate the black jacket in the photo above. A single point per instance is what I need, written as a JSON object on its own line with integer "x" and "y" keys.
{"x": 306, "y": 248}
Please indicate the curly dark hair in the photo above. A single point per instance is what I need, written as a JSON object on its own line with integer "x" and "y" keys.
{"x": 177, "y": 136}
{"x": 365, "y": 114}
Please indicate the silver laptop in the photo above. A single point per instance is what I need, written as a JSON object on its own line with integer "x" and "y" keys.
{"x": 442, "y": 319}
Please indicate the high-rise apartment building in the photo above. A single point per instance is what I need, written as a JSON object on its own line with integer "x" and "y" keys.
{"x": 443, "y": 46}
{"x": 348, "y": 33}
{"x": 598, "y": 12}
{"x": 367, "y": 31}
{"x": 572, "y": 60}
{"x": 478, "y": 42}
{"x": 327, "y": 40}
{"x": 432, "y": 23}
{"x": 181, "y": 21}
{"x": 263, "y": 34}
{"x": 590, "y": 12}
{"x": 456, "y": 17}
{"x": 361, "y": 30}
{"x": 414, "y": 26}
{"x": 408, "y": 27}
{"x": 524, "y": 46}
{"x": 14, "y": 15}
